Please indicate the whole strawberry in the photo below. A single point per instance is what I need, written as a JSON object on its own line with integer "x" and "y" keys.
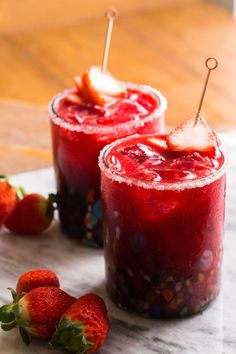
{"x": 32, "y": 214}
{"x": 84, "y": 326}
{"x": 36, "y": 279}
{"x": 8, "y": 198}
{"x": 36, "y": 313}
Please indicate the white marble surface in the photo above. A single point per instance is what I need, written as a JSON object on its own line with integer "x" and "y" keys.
{"x": 81, "y": 270}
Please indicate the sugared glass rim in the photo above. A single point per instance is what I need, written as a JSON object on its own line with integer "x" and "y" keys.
{"x": 176, "y": 186}
{"x": 58, "y": 120}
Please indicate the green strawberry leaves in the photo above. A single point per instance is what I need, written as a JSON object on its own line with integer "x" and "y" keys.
{"x": 10, "y": 317}
{"x": 15, "y": 297}
{"x": 70, "y": 336}
{"x": 6, "y": 314}
{"x": 13, "y": 294}
{"x": 24, "y": 335}
{"x": 8, "y": 327}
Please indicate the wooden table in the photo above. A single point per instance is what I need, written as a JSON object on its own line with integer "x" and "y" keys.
{"x": 162, "y": 44}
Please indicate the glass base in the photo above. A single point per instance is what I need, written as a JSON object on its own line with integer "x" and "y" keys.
{"x": 81, "y": 216}
{"x": 163, "y": 314}
{"x": 88, "y": 238}
{"x": 157, "y": 313}
{"x": 161, "y": 297}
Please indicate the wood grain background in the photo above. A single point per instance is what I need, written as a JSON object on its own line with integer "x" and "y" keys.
{"x": 161, "y": 43}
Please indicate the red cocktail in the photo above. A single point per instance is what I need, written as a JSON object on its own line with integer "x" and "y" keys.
{"x": 163, "y": 219}
{"x": 79, "y": 131}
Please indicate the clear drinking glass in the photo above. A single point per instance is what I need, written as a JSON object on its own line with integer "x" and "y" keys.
{"x": 163, "y": 241}
{"x": 76, "y": 147}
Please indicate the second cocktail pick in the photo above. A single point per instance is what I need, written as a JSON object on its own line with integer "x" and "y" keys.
{"x": 211, "y": 64}
{"x": 111, "y": 15}
{"x": 195, "y": 134}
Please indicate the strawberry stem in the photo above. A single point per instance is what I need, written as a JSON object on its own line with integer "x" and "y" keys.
{"x": 10, "y": 317}
{"x": 52, "y": 205}
{"x": 21, "y": 193}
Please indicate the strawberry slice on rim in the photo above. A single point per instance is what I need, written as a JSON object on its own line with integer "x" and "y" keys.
{"x": 74, "y": 98}
{"x": 98, "y": 87}
{"x": 191, "y": 136}
{"x": 78, "y": 84}
{"x": 158, "y": 142}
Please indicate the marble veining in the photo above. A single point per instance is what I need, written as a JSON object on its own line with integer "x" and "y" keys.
{"x": 81, "y": 270}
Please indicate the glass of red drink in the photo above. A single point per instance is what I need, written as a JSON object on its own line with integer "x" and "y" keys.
{"x": 163, "y": 218}
{"x": 79, "y": 132}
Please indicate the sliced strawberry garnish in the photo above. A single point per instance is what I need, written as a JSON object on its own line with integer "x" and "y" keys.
{"x": 100, "y": 87}
{"x": 158, "y": 142}
{"x": 73, "y": 98}
{"x": 78, "y": 84}
{"x": 192, "y": 136}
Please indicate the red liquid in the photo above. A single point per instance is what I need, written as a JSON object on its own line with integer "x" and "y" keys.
{"x": 163, "y": 216}
{"x": 79, "y": 132}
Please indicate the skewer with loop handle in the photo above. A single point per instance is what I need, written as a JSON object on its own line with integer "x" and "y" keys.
{"x": 111, "y": 14}
{"x": 211, "y": 64}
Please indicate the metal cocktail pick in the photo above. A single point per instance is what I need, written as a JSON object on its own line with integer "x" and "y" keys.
{"x": 111, "y": 14}
{"x": 211, "y": 64}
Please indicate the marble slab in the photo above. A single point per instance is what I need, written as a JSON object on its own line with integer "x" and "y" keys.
{"x": 81, "y": 270}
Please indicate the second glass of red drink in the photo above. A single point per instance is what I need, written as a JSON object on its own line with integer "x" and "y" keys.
{"x": 83, "y": 121}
